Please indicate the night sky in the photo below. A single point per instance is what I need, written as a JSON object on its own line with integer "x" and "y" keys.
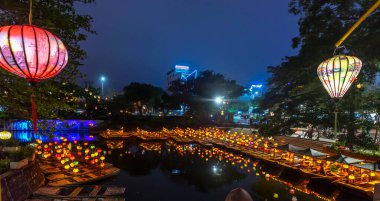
{"x": 141, "y": 40}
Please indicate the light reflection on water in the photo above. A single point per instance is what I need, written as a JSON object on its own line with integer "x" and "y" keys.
{"x": 29, "y": 136}
{"x": 168, "y": 171}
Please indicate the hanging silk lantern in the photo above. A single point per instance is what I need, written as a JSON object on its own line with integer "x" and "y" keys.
{"x": 5, "y": 135}
{"x": 31, "y": 53}
{"x": 338, "y": 73}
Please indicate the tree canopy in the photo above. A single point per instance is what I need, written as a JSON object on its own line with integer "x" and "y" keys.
{"x": 198, "y": 94}
{"x": 295, "y": 94}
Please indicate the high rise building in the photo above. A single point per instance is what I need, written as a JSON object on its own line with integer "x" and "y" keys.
{"x": 179, "y": 73}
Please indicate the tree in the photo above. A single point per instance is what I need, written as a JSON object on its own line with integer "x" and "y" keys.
{"x": 294, "y": 82}
{"x": 372, "y": 106}
{"x": 169, "y": 103}
{"x": 199, "y": 93}
{"x": 61, "y": 18}
{"x": 145, "y": 97}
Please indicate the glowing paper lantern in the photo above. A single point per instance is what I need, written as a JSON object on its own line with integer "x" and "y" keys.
{"x": 5, "y": 135}
{"x": 32, "y": 53}
{"x": 338, "y": 73}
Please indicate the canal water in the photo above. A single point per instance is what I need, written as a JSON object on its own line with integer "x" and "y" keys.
{"x": 166, "y": 171}
{"x": 163, "y": 171}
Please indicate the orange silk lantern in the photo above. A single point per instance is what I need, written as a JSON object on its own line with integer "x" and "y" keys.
{"x": 31, "y": 53}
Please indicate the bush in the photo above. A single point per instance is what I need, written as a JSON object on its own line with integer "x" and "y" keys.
{"x": 4, "y": 165}
{"x": 15, "y": 156}
{"x": 10, "y": 143}
{"x": 28, "y": 150}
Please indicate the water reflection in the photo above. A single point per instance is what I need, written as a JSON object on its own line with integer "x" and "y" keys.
{"x": 29, "y": 136}
{"x": 204, "y": 173}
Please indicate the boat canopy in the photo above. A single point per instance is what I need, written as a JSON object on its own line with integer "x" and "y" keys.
{"x": 340, "y": 158}
{"x": 302, "y": 151}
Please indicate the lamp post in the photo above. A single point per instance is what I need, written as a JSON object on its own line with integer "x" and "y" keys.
{"x": 218, "y": 100}
{"x": 102, "y": 80}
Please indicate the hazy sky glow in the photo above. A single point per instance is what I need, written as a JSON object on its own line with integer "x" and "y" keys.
{"x": 140, "y": 40}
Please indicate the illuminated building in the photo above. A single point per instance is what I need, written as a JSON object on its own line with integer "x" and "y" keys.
{"x": 183, "y": 75}
{"x": 256, "y": 90}
{"x": 179, "y": 73}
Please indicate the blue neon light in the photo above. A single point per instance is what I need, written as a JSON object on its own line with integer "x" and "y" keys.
{"x": 29, "y": 136}
{"x": 185, "y": 77}
{"x": 255, "y": 86}
{"x": 65, "y": 125}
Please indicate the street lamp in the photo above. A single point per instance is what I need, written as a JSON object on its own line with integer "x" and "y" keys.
{"x": 102, "y": 80}
{"x": 218, "y": 100}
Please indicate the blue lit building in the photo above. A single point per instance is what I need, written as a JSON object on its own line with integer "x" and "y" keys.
{"x": 179, "y": 73}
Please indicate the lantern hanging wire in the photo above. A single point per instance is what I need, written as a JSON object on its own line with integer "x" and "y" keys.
{"x": 30, "y": 12}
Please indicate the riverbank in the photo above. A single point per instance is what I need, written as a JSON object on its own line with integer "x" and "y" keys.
{"x": 18, "y": 185}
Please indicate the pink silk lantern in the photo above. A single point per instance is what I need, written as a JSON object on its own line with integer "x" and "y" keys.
{"x": 32, "y": 53}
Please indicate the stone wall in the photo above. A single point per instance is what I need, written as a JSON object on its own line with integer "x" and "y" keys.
{"x": 18, "y": 185}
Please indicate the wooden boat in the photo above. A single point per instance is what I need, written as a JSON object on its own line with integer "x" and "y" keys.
{"x": 86, "y": 178}
{"x": 92, "y": 191}
{"x": 108, "y": 134}
{"x": 76, "y": 199}
{"x": 68, "y": 174}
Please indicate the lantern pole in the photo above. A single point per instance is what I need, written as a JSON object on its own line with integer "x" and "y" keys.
{"x": 357, "y": 23}
{"x": 34, "y": 113}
